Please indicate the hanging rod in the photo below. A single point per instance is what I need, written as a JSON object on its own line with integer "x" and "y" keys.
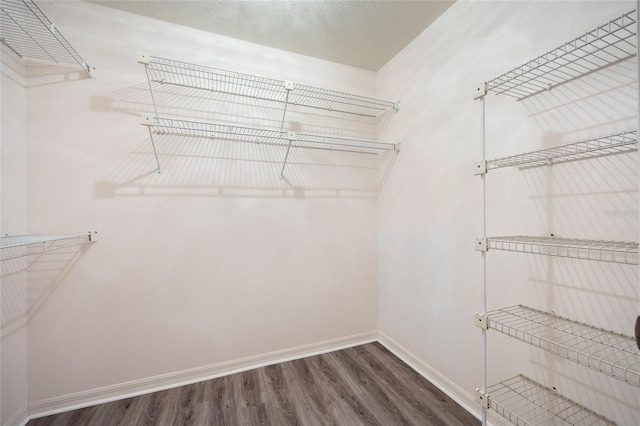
{"x": 15, "y": 241}
{"x": 609, "y": 353}
{"x": 612, "y": 144}
{"x": 27, "y": 31}
{"x": 606, "y": 45}
{"x": 177, "y": 73}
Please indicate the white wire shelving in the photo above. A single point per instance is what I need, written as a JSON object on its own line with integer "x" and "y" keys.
{"x": 605, "y": 145}
{"x": 610, "y": 353}
{"x": 168, "y": 71}
{"x": 525, "y": 402}
{"x": 521, "y": 400}
{"x": 196, "y": 129}
{"x": 608, "y": 44}
{"x": 11, "y": 244}
{"x": 27, "y": 31}
{"x": 602, "y": 251}
{"x": 183, "y": 74}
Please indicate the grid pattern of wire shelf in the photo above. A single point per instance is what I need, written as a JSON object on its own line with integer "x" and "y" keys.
{"x": 610, "y": 353}
{"x": 196, "y": 129}
{"x": 168, "y": 71}
{"x": 608, "y": 44}
{"x": 612, "y": 144}
{"x": 523, "y": 401}
{"x": 17, "y": 241}
{"x": 27, "y": 31}
{"x": 603, "y": 251}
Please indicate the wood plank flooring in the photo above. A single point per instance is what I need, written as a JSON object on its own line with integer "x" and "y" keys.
{"x": 364, "y": 385}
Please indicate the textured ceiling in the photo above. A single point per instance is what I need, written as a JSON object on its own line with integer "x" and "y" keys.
{"x": 363, "y": 34}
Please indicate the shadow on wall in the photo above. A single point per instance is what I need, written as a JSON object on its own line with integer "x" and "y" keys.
{"x": 196, "y": 167}
{"x": 14, "y": 306}
{"x": 28, "y": 281}
{"x": 214, "y": 166}
{"x": 40, "y": 73}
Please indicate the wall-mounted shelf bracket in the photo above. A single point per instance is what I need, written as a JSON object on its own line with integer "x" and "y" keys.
{"x": 144, "y": 59}
{"x": 481, "y": 321}
{"x": 148, "y": 120}
{"x": 396, "y": 106}
{"x": 482, "y": 398}
{"x": 291, "y": 136}
{"x": 480, "y": 167}
{"x": 288, "y": 85}
{"x": 480, "y": 91}
{"x": 481, "y": 244}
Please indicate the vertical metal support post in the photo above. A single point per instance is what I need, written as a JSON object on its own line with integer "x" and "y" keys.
{"x": 483, "y": 195}
{"x": 638, "y": 101}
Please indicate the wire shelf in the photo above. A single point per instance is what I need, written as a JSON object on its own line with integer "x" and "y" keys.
{"x": 17, "y": 241}
{"x": 27, "y": 31}
{"x": 613, "y": 144}
{"x": 178, "y": 127}
{"x": 167, "y": 71}
{"x": 610, "y": 353}
{"x": 608, "y": 44}
{"x": 523, "y": 401}
{"x": 604, "y": 251}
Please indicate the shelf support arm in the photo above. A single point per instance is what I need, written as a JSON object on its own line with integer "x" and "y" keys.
{"x": 150, "y": 121}
{"x": 288, "y": 86}
{"x": 291, "y": 136}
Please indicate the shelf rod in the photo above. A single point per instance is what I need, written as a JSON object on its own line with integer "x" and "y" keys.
{"x": 155, "y": 109}
{"x": 155, "y": 153}
{"x": 153, "y": 98}
{"x": 284, "y": 113}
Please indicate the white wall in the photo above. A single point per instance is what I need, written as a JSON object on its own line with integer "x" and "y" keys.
{"x": 215, "y": 259}
{"x": 429, "y": 212}
{"x": 13, "y": 216}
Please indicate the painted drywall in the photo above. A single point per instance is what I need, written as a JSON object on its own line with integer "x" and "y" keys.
{"x": 216, "y": 258}
{"x": 429, "y": 211}
{"x": 13, "y": 217}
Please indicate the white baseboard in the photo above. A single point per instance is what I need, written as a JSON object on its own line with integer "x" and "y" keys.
{"x": 21, "y": 418}
{"x": 180, "y": 378}
{"x": 453, "y": 391}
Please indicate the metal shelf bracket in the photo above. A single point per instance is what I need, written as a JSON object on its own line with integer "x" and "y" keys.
{"x": 144, "y": 59}
{"x": 481, "y": 244}
{"x": 290, "y": 136}
{"x": 482, "y": 398}
{"x": 479, "y": 91}
{"x": 480, "y": 167}
{"x": 481, "y": 321}
{"x": 148, "y": 120}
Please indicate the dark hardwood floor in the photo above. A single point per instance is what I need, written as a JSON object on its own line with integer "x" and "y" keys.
{"x": 364, "y": 385}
